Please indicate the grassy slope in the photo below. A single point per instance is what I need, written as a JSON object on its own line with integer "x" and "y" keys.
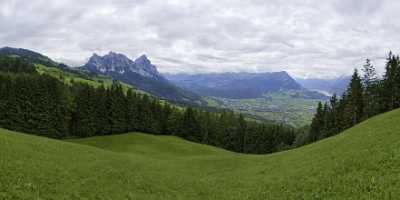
{"x": 67, "y": 77}
{"x": 361, "y": 163}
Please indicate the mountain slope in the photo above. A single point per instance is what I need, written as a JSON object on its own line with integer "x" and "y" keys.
{"x": 360, "y": 163}
{"x": 141, "y": 74}
{"x": 31, "y": 56}
{"x": 235, "y": 85}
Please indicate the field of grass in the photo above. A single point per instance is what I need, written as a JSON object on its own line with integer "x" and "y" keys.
{"x": 360, "y": 163}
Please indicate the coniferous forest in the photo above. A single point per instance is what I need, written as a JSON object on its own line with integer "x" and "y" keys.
{"x": 43, "y": 105}
{"x": 367, "y": 95}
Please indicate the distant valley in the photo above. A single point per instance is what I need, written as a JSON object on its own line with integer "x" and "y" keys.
{"x": 274, "y": 96}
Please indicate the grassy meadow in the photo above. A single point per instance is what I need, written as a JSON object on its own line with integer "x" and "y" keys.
{"x": 360, "y": 163}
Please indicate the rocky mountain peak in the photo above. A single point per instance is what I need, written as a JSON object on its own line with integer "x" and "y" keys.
{"x": 143, "y": 59}
{"x": 117, "y": 62}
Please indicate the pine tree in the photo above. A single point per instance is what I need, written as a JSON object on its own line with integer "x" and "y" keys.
{"x": 4, "y": 82}
{"x": 355, "y": 98}
{"x": 391, "y": 87}
{"x": 370, "y": 84}
{"x": 117, "y": 109}
{"x": 84, "y": 119}
{"x": 174, "y": 123}
{"x": 190, "y": 126}
{"x": 316, "y": 124}
{"x": 333, "y": 116}
{"x": 241, "y": 132}
{"x": 101, "y": 111}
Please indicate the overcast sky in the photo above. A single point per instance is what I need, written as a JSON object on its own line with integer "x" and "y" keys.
{"x": 306, "y": 38}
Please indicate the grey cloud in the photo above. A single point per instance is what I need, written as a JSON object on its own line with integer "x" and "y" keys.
{"x": 306, "y": 38}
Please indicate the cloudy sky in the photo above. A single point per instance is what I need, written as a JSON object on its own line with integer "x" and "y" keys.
{"x": 306, "y": 38}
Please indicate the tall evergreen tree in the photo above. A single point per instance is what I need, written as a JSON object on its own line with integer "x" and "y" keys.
{"x": 370, "y": 84}
{"x": 355, "y": 102}
{"x": 390, "y": 82}
{"x": 317, "y": 124}
{"x": 190, "y": 126}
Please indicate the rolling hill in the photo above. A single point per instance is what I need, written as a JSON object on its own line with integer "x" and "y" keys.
{"x": 360, "y": 163}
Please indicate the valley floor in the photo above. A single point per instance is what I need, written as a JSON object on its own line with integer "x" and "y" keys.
{"x": 361, "y": 163}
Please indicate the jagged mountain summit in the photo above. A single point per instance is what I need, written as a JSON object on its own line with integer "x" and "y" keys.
{"x": 119, "y": 63}
{"x": 140, "y": 73}
{"x": 116, "y": 62}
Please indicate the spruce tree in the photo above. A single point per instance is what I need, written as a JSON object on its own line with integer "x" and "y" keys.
{"x": 391, "y": 88}
{"x": 355, "y": 98}
{"x": 316, "y": 124}
{"x": 190, "y": 126}
{"x": 370, "y": 84}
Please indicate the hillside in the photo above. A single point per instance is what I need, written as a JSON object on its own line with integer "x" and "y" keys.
{"x": 360, "y": 163}
{"x": 32, "y": 56}
{"x": 68, "y": 77}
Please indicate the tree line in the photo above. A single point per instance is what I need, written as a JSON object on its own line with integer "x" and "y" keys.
{"x": 43, "y": 105}
{"x": 366, "y": 95}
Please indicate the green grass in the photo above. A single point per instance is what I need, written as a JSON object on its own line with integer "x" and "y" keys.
{"x": 360, "y": 163}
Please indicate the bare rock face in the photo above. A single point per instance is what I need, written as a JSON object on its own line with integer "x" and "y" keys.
{"x": 119, "y": 63}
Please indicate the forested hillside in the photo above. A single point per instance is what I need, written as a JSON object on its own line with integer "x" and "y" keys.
{"x": 366, "y": 96}
{"x": 41, "y": 104}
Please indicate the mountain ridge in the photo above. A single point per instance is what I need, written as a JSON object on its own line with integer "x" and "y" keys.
{"x": 30, "y": 55}
{"x": 140, "y": 73}
{"x": 235, "y": 85}
{"x": 117, "y": 62}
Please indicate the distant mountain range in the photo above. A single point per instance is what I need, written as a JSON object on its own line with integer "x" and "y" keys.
{"x": 237, "y": 85}
{"x": 141, "y": 74}
{"x": 273, "y": 96}
{"x": 326, "y": 86}
{"x": 183, "y": 88}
